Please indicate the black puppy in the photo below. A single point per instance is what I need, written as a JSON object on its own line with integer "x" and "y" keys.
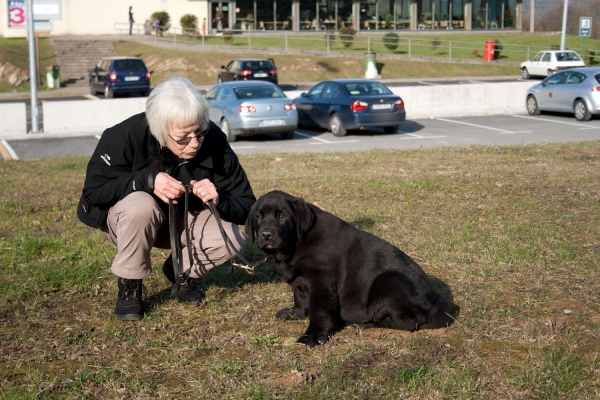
{"x": 341, "y": 274}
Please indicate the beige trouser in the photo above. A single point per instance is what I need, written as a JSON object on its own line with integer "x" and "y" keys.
{"x": 136, "y": 224}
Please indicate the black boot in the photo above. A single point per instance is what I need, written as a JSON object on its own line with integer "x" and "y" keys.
{"x": 129, "y": 303}
{"x": 188, "y": 293}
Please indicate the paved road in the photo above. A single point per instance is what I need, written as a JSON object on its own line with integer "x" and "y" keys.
{"x": 494, "y": 130}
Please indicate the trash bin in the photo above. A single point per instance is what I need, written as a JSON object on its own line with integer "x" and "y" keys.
{"x": 488, "y": 51}
{"x": 371, "y": 66}
{"x": 53, "y": 76}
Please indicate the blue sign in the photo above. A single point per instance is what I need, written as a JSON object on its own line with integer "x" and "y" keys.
{"x": 585, "y": 26}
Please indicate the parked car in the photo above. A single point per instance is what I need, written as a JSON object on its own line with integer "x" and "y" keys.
{"x": 344, "y": 104}
{"x": 245, "y": 69}
{"x": 576, "y": 90}
{"x": 251, "y": 107}
{"x": 120, "y": 75}
{"x": 547, "y": 62}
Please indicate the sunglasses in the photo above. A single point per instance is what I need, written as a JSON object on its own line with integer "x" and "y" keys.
{"x": 198, "y": 135}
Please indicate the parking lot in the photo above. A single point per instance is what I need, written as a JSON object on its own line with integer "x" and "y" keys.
{"x": 517, "y": 129}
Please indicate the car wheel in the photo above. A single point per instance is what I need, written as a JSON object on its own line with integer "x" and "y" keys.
{"x": 288, "y": 135}
{"x": 108, "y": 93}
{"x": 581, "y": 111}
{"x": 391, "y": 129}
{"x": 335, "y": 125}
{"x": 146, "y": 93}
{"x": 525, "y": 73}
{"x": 550, "y": 72}
{"x": 226, "y": 131}
{"x": 532, "y": 106}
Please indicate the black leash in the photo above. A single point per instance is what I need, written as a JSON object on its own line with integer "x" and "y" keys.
{"x": 182, "y": 277}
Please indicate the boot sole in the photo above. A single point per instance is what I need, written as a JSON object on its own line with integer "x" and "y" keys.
{"x": 128, "y": 317}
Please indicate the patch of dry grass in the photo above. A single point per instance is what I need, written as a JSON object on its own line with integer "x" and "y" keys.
{"x": 511, "y": 234}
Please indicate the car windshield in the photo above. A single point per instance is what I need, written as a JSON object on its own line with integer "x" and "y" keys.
{"x": 129, "y": 65}
{"x": 258, "y": 92}
{"x": 257, "y": 64}
{"x": 367, "y": 89}
{"x": 567, "y": 56}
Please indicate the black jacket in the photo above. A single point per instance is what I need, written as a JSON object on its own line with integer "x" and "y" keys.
{"x": 128, "y": 158}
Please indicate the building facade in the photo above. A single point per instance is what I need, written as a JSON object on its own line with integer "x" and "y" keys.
{"x": 99, "y": 17}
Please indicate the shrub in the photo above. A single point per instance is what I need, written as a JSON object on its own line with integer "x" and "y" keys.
{"x": 555, "y": 47}
{"x": 497, "y": 49}
{"x": 475, "y": 53}
{"x": 435, "y": 43}
{"x": 347, "y": 36}
{"x": 228, "y": 37}
{"x": 590, "y": 56}
{"x": 390, "y": 40}
{"x": 189, "y": 23}
{"x": 164, "y": 18}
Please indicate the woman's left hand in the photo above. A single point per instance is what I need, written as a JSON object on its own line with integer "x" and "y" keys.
{"x": 205, "y": 190}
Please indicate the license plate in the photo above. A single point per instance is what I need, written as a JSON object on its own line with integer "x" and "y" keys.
{"x": 132, "y": 78}
{"x": 260, "y": 75}
{"x": 381, "y": 106}
{"x": 270, "y": 122}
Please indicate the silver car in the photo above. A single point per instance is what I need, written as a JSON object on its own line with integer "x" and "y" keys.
{"x": 244, "y": 108}
{"x": 576, "y": 90}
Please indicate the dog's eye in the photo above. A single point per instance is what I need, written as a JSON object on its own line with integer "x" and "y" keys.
{"x": 259, "y": 216}
{"x": 281, "y": 217}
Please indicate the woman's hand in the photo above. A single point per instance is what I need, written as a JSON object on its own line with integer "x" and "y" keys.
{"x": 166, "y": 187}
{"x": 205, "y": 190}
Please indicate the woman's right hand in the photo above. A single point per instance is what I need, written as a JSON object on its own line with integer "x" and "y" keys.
{"x": 166, "y": 187}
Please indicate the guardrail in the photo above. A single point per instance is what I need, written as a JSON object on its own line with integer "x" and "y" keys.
{"x": 411, "y": 44}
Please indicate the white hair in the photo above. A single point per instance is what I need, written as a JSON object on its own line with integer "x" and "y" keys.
{"x": 174, "y": 103}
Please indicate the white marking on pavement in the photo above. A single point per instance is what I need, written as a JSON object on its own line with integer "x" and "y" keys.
{"x": 558, "y": 122}
{"x": 414, "y": 136}
{"x": 242, "y": 147}
{"x": 502, "y": 131}
{"x": 91, "y": 97}
{"x": 342, "y": 141}
{"x": 312, "y": 137}
{"x": 10, "y": 150}
{"x": 97, "y": 136}
{"x": 429, "y": 83}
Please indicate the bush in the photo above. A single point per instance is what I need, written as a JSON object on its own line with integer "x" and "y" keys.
{"x": 475, "y": 53}
{"x": 590, "y": 56}
{"x": 189, "y": 23}
{"x": 164, "y": 18}
{"x": 555, "y": 47}
{"x": 228, "y": 37}
{"x": 390, "y": 40}
{"x": 435, "y": 43}
{"x": 497, "y": 49}
{"x": 347, "y": 36}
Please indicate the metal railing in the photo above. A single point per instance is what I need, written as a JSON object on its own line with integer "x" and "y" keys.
{"x": 412, "y": 45}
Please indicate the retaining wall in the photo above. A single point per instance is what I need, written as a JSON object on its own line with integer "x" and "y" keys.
{"x": 13, "y": 120}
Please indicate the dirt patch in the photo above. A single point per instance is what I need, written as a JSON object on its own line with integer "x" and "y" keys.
{"x": 12, "y": 75}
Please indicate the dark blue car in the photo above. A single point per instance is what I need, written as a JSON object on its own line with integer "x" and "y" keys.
{"x": 345, "y": 104}
{"x": 120, "y": 75}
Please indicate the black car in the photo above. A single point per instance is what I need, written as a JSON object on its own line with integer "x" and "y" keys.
{"x": 120, "y": 75}
{"x": 244, "y": 69}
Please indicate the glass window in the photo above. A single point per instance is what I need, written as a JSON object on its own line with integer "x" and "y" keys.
{"x": 538, "y": 57}
{"x": 212, "y": 94}
{"x": 547, "y": 57}
{"x": 597, "y": 76}
{"x": 573, "y": 78}
{"x": 402, "y": 17}
{"x": 260, "y": 92}
{"x": 367, "y": 89}
{"x": 316, "y": 91}
{"x": 331, "y": 92}
{"x": 555, "y": 79}
{"x": 129, "y": 65}
{"x": 223, "y": 94}
{"x": 244, "y": 18}
{"x": 257, "y": 64}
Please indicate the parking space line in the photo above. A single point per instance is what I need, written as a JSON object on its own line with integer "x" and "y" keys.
{"x": 429, "y": 83}
{"x": 557, "y": 122}
{"x": 7, "y": 152}
{"x": 242, "y": 147}
{"x": 98, "y": 136}
{"x": 502, "y": 131}
{"x": 91, "y": 97}
{"x": 414, "y": 136}
{"x": 312, "y": 137}
{"x": 341, "y": 141}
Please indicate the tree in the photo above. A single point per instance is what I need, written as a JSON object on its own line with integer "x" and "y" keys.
{"x": 347, "y": 36}
{"x": 390, "y": 40}
{"x": 164, "y": 18}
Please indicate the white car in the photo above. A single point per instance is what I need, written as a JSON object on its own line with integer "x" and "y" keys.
{"x": 547, "y": 62}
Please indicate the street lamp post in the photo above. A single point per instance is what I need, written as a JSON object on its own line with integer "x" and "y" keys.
{"x": 564, "y": 26}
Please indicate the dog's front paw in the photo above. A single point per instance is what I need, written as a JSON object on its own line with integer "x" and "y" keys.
{"x": 312, "y": 340}
{"x": 289, "y": 313}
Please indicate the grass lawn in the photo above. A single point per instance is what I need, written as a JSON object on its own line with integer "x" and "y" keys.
{"x": 16, "y": 51}
{"x": 203, "y": 67}
{"x": 510, "y": 234}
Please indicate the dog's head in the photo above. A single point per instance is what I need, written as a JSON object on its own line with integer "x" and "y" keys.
{"x": 277, "y": 220}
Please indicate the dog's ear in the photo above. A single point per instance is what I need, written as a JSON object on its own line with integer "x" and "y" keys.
{"x": 250, "y": 225}
{"x": 305, "y": 218}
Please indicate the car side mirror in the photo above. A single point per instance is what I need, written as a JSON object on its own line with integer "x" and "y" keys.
{"x": 222, "y": 67}
{"x": 303, "y": 94}
{"x": 544, "y": 83}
